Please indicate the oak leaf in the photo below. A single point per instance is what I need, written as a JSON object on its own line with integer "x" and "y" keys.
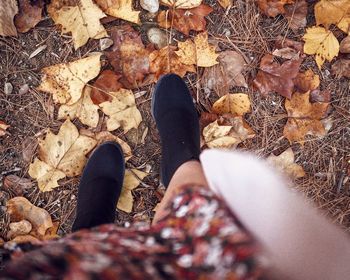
{"x": 84, "y": 110}
{"x": 181, "y": 4}
{"x": 322, "y": 43}
{"x": 273, "y": 8}
{"x": 66, "y": 81}
{"x": 60, "y": 155}
{"x": 304, "y": 118}
{"x": 185, "y": 20}
{"x": 122, "y": 9}
{"x": 165, "y": 61}
{"x": 236, "y": 104}
{"x": 341, "y": 68}
{"x": 29, "y": 15}
{"x": 285, "y": 163}
{"x": 8, "y": 10}
{"x": 307, "y": 81}
{"x": 273, "y": 76}
{"x": 3, "y": 128}
{"x": 82, "y": 19}
{"x": 122, "y": 111}
{"x": 296, "y": 14}
{"x": 199, "y": 52}
{"x": 132, "y": 179}
{"x": 106, "y": 82}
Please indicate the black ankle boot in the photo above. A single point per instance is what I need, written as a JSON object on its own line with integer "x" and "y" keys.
{"x": 177, "y": 123}
{"x": 100, "y": 187}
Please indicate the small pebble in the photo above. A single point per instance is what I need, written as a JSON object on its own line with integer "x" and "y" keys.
{"x": 157, "y": 37}
{"x": 105, "y": 43}
{"x": 8, "y": 88}
{"x": 24, "y": 89}
{"x": 150, "y": 5}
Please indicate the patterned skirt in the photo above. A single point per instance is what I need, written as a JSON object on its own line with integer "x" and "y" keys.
{"x": 198, "y": 238}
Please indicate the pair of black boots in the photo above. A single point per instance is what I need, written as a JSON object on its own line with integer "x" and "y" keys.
{"x": 102, "y": 179}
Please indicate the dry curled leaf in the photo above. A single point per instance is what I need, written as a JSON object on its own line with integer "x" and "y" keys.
{"x": 181, "y": 4}
{"x": 82, "y": 19}
{"x": 122, "y": 9}
{"x": 341, "y": 68}
{"x": 275, "y": 77}
{"x": 296, "y": 14}
{"x": 304, "y": 118}
{"x": 273, "y": 8}
{"x": 29, "y": 15}
{"x": 132, "y": 179}
{"x": 106, "y": 82}
{"x": 307, "y": 81}
{"x": 20, "y": 208}
{"x": 8, "y": 9}
{"x": 60, "y": 155}
{"x": 322, "y": 43}
{"x": 185, "y": 20}
{"x": 122, "y": 111}
{"x": 66, "y": 81}
{"x": 236, "y": 104}
{"x": 165, "y": 61}
{"x": 285, "y": 163}
{"x": 17, "y": 184}
{"x": 3, "y": 128}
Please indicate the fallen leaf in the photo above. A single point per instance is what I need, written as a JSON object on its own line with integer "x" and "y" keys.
{"x": 345, "y": 45}
{"x": 132, "y": 179}
{"x": 8, "y": 10}
{"x": 29, "y": 15}
{"x": 185, "y": 20}
{"x": 286, "y": 53}
{"x": 225, "y": 3}
{"x": 237, "y": 104}
{"x": 19, "y": 228}
{"x": 273, "y": 8}
{"x": 199, "y": 52}
{"x": 122, "y": 111}
{"x": 3, "y": 128}
{"x": 84, "y": 110}
{"x": 81, "y": 19}
{"x": 51, "y": 233}
{"x": 307, "y": 81}
{"x": 322, "y": 43}
{"x": 296, "y": 14}
{"x": 165, "y": 61}
{"x": 122, "y": 9}
{"x": 227, "y": 135}
{"x": 206, "y": 118}
{"x": 60, "y": 155}
{"x": 282, "y": 42}
{"x": 286, "y": 165}
{"x": 341, "y": 68}
{"x": 333, "y": 12}
{"x": 17, "y": 184}
{"x": 275, "y": 77}
{"x": 304, "y": 118}
{"x": 66, "y": 81}
{"x": 106, "y": 82}
{"x": 23, "y": 239}
{"x": 29, "y": 146}
{"x": 181, "y": 4}
{"x": 20, "y": 208}
{"x": 320, "y": 96}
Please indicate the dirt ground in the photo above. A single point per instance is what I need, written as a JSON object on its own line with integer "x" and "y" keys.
{"x": 29, "y": 114}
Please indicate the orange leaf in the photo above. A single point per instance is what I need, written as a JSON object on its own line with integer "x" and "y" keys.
{"x": 3, "y": 127}
{"x": 105, "y": 83}
{"x": 29, "y": 15}
{"x": 296, "y": 14}
{"x": 307, "y": 81}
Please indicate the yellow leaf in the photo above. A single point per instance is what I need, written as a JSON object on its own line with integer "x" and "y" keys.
{"x": 60, "y": 155}
{"x": 84, "y": 109}
{"x": 333, "y": 12}
{"x": 322, "y": 43}
{"x": 198, "y": 52}
{"x": 237, "y": 104}
{"x": 181, "y": 4}
{"x": 132, "y": 179}
{"x": 122, "y": 111}
{"x": 285, "y": 163}
{"x": 225, "y": 3}
{"x": 66, "y": 81}
{"x": 8, "y": 9}
{"x": 122, "y": 9}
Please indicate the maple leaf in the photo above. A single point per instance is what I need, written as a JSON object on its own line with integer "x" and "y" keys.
{"x": 296, "y": 14}
{"x": 286, "y": 165}
{"x": 333, "y": 12}
{"x": 29, "y": 15}
{"x": 132, "y": 179}
{"x": 8, "y": 10}
{"x": 106, "y": 82}
{"x": 228, "y": 134}
{"x": 66, "y": 81}
{"x": 3, "y": 128}
{"x": 237, "y": 104}
{"x": 307, "y": 81}
{"x": 122, "y": 111}
{"x": 185, "y": 20}
{"x": 322, "y": 43}
{"x": 198, "y": 52}
{"x": 341, "y": 68}
{"x": 273, "y": 76}
{"x": 122, "y": 9}
{"x": 165, "y": 61}
{"x": 273, "y": 8}
{"x": 304, "y": 118}
{"x": 81, "y": 19}
{"x": 60, "y": 155}
{"x": 84, "y": 109}
{"x": 181, "y": 4}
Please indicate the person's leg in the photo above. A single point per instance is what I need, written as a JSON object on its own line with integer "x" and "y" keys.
{"x": 100, "y": 187}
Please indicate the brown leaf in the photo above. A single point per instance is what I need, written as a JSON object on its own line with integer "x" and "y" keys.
{"x": 8, "y": 9}
{"x": 287, "y": 53}
{"x": 306, "y": 81}
{"x": 296, "y": 14}
{"x": 320, "y": 96}
{"x": 29, "y": 15}
{"x": 3, "y": 127}
{"x": 207, "y": 118}
{"x": 341, "y": 68}
{"x": 274, "y": 77}
{"x": 165, "y": 61}
{"x": 273, "y": 8}
{"x": 282, "y": 42}
{"x": 345, "y": 45}
{"x": 106, "y": 82}
{"x": 185, "y": 20}
{"x": 51, "y": 232}
{"x": 29, "y": 146}
{"x": 17, "y": 184}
